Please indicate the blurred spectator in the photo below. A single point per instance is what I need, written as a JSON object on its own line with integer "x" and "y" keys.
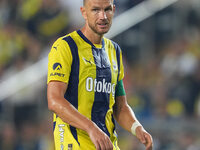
{"x": 18, "y": 48}
{"x": 76, "y": 19}
{"x": 178, "y": 61}
{"x": 163, "y": 90}
{"x": 178, "y": 66}
{"x": 45, "y": 20}
{"x": 27, "y": 139}
{"x": 4, "y": 12}
{"x": 8, "y": 137}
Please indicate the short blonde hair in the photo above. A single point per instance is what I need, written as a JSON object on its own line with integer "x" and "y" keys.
{"x": 84, "y": 2}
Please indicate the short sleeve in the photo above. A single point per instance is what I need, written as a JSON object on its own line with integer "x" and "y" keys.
{"x": 59, "y": 62}
{"x": 119, "y": 61}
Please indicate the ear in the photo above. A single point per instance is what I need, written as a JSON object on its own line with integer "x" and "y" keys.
{"x": 113, "y": 8}
{"x": 83, "y": 12}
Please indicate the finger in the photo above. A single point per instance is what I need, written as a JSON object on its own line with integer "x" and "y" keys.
{"x": 102, "y": 145}
{"x": 142, "y": 138}
{"x": 149, "y": 146}
{"x": 107, "y": 143}
{"x": 97, "y": 145}
{"x": 147, "y": 138}
{"x": 110, "y": 145}
{"x": 149, "y": 143}
{"x": 140, "y": 134}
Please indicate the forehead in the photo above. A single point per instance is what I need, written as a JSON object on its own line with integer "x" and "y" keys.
{"x": 100, "y": 3}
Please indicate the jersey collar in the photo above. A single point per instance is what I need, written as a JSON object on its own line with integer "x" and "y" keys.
{"x": 87, "y": 40}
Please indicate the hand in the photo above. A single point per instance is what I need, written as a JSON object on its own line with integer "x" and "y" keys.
{"x": 100, "y": 139}
{"x": 144, "y": 137}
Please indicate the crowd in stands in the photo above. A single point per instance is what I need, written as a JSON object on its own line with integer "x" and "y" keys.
{"x": 26, "y": 27}
{"x": 162, "y": 77}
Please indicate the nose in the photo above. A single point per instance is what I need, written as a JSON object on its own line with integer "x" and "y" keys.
{"x": 102, "y": 15}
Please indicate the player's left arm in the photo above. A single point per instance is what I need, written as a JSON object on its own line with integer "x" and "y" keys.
{"x": 125, "y": 116}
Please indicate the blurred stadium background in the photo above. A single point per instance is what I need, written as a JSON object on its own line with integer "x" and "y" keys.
{"x": 160, "y": 40}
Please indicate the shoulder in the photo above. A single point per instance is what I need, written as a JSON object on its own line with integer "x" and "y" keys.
{"x": 64, "y": 39}
{"x": 110, "y": 42}
{"x": 61, "y": 45}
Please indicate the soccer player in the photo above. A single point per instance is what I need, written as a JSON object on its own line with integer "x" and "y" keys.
{"x": 85, "y": 86}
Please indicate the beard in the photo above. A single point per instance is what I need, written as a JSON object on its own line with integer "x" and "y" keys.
{"x": 98, "y": 31}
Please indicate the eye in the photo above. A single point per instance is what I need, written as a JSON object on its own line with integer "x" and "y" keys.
{"x": 95, "y": 9}
{"x": 108, "y": 9}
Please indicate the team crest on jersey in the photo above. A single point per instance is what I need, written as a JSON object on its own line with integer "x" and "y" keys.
{"x": 57, "y": 66}
{"x": 114, "y": 65}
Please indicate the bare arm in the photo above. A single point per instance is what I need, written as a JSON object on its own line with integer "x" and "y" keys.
{"x": 126, "y": 117}
{"x": 123, "y": 113}
{"x": 69, "y": 114}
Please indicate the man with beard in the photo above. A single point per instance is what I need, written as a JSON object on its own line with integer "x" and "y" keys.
{"x": 85, "y": 86}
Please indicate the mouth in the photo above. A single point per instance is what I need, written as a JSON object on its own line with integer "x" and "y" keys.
{"x": 103, "y": 25}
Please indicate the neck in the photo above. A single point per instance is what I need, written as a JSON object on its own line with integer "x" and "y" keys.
{"x": 91, "y": 35}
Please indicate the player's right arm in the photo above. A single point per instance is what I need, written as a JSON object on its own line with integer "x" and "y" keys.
{"x": 60, "y": 56}
{"x": 69, "y": 114}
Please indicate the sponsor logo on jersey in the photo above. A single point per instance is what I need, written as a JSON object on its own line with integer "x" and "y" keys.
{"x": 57, "y": 67}
{"x": 88, "y": 61}
{"x": 62, "y": 131}
{"x": 100, "y": 86}
{"x": 57, "y": 74}
{"x": 55, "y": 47}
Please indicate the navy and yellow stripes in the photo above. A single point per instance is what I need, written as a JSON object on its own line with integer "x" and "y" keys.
{"x": 72, "y": 91}
{"x": 92, "y": 73}
{"x": 101, "y": 100}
